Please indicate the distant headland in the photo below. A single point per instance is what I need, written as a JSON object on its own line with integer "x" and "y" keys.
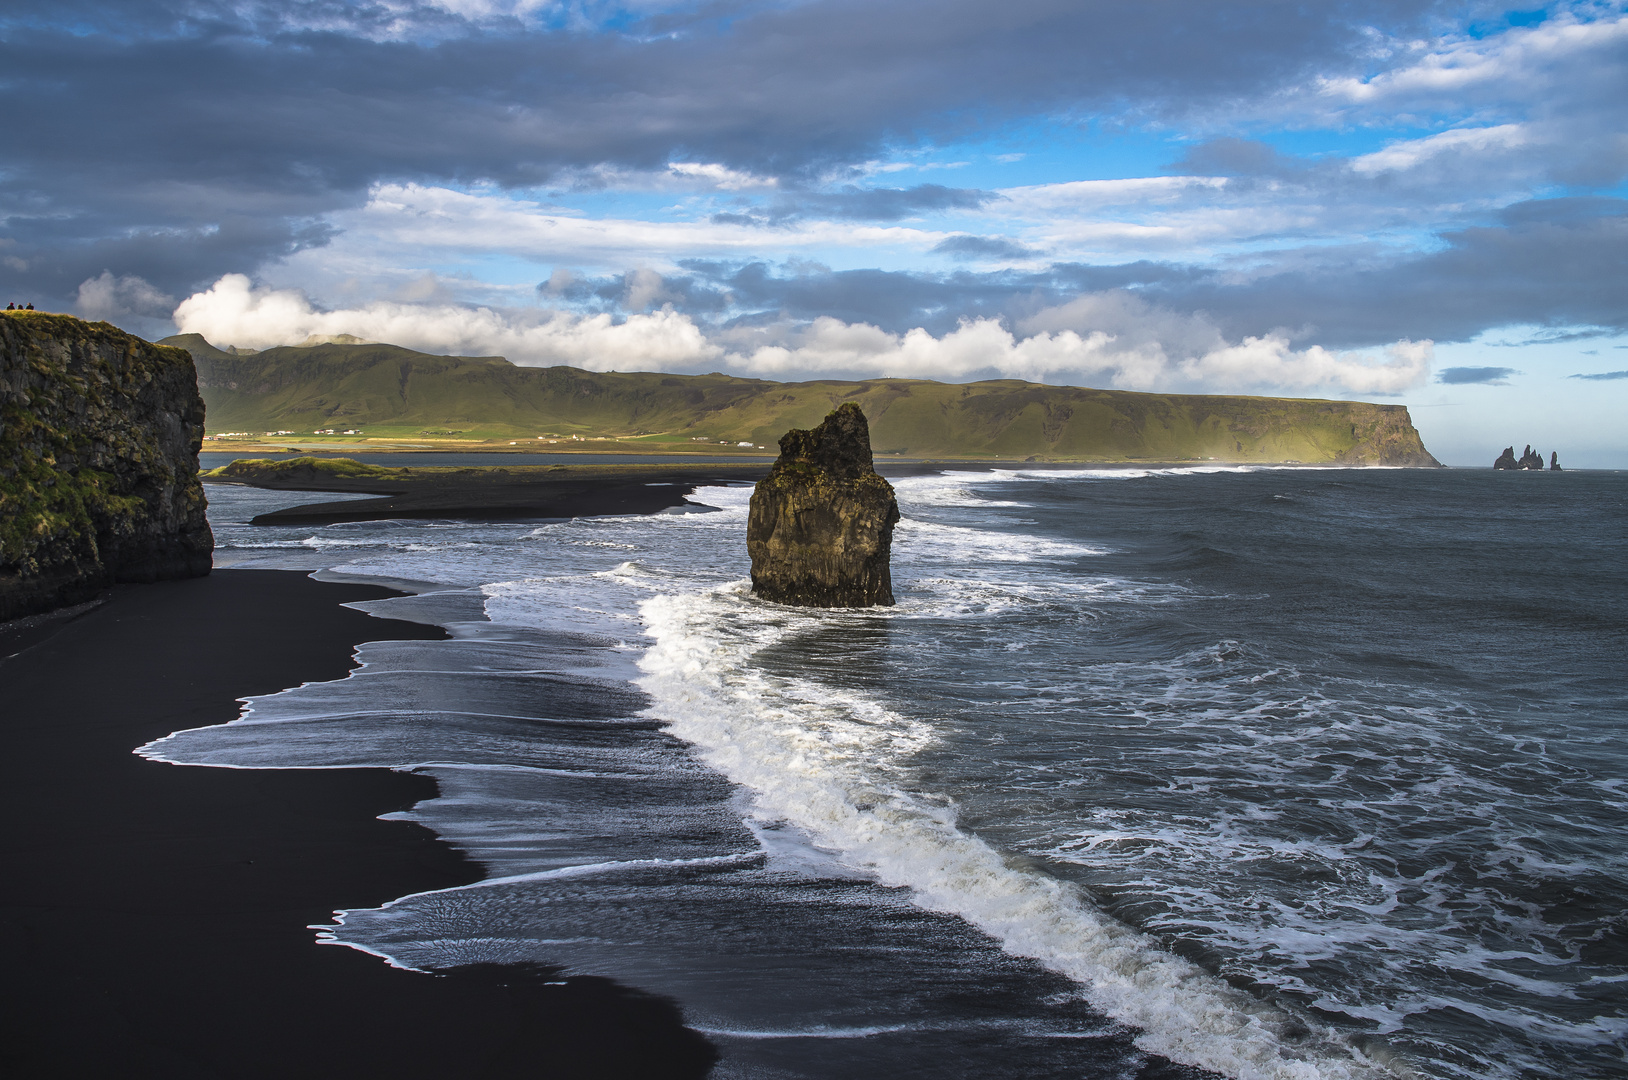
{"x": 353, "y": 394}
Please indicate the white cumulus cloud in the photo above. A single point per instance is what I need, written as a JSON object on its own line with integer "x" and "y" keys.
{"x": 234, "y": 312}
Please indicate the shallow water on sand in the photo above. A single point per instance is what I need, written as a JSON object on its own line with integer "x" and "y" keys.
{"x": 1267, "y": 772}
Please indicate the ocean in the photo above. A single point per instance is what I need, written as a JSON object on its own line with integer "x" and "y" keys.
{"x": 1251, "y": 772}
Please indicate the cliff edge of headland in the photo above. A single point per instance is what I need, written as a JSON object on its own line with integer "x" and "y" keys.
{"x": 99, "y": 439}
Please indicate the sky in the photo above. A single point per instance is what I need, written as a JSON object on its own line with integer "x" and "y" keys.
{"x": 1417, "y": 203}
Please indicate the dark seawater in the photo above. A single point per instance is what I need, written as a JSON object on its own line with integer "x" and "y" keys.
{"x": 1255, "y": 772}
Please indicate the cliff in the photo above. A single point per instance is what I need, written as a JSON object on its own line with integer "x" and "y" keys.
{"x": 99, "y": 437}
{"x": 820, "y": 528}
{"x": 393, "y": 392}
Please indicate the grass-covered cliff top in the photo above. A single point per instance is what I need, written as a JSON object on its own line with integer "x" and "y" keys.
{"x": 388, "y": 392}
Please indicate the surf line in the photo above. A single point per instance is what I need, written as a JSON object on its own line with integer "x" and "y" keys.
{"x": 815, "y": 764}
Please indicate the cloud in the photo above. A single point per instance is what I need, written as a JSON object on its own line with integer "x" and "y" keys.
{"x": 1166, "y": 347}
{"x": 109, "y": 297}
{"x": 1412, "y": 153}
{"x": 1554, "y": 90}
{"x": 373, "y": 144}
{"x": 1231, "y": 156}
{"x": 233, "y": 312}
{"x": 983, "y": 347}
{"x": 1560, "y": 263}
{"x": 983, "y": 248}
{"x": 1604, "y": 376}
{"x": 178, "y": 139}
{"x": 1144, "y": 348}
{"x": 1487, "y": 376}
{"x": 413, "y": 223}
{"x": 1546, "y": 265}
{"x": 865, "y": 204}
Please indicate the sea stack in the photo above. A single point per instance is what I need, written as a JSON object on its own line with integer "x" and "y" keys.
{"x": 1554, "y": 461}
{"x": 1506, "y": 460}
{"x": 820, "y": 529}
{"x": 99, "y": 438}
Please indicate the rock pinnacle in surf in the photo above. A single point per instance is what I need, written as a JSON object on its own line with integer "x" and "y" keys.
{"x": 820, "y": 529}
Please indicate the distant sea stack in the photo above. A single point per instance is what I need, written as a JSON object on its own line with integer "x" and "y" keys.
{"x": 1531, "y": 460}
{"x": 820, "y": 531}
{"x": 99, "y": 438}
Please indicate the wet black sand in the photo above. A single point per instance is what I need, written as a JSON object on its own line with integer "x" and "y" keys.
{"x": 154, "y": 917}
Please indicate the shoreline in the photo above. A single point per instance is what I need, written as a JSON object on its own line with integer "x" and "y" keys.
{"x": 490, "y": 492}
{"x": 157, "y": 921}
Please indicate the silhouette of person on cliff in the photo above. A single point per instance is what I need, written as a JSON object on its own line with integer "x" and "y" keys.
{"x": 11, "y": 307}
{"x": 30, "y": 306}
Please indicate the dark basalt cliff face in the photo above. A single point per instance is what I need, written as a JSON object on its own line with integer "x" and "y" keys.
{"x": 99, "y": 438}
{"x": 820, "y": 529}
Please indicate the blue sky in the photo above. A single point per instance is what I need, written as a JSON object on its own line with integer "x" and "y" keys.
{"x": 1410, "y": 202}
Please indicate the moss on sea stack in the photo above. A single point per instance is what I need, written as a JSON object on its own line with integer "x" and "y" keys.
{"x": 99, "y": 438}
{"x": 820, "y": 531}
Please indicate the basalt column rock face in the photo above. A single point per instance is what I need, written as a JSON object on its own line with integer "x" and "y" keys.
{"x": 99, "y": 438}
{"x": 821, "y": 524}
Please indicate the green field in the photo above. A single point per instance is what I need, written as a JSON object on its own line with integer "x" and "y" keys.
{"x": 395, "y": 393}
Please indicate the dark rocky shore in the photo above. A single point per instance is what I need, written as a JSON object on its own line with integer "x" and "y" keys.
{"x": 481, "y": 493}
{"x": 156, "y": 916}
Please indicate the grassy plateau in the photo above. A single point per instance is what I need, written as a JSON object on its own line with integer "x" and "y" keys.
{"x": 395, "y": 397}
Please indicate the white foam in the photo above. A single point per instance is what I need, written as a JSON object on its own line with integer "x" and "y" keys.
{"x": 929, "y": 540}
{"x": 820, "y": 760}
{"x": 949, "y": 489}
{"x": 811, "y": 1033}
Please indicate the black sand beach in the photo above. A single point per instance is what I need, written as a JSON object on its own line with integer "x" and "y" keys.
{"x": 479, "y": 493}
{"x": 155, "y": 917}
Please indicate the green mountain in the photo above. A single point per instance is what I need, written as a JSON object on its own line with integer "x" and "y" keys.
{"x": 390, "y": 391}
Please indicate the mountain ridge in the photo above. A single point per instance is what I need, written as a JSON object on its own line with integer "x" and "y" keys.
{"x": 394, "y": 391}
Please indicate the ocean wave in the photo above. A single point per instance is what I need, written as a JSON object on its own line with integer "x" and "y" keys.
{"x": 920, "y": 540}
{"x": 820, "y": 759}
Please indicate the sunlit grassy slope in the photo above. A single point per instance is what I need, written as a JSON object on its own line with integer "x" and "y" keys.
{"x": 391, "y": 391}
